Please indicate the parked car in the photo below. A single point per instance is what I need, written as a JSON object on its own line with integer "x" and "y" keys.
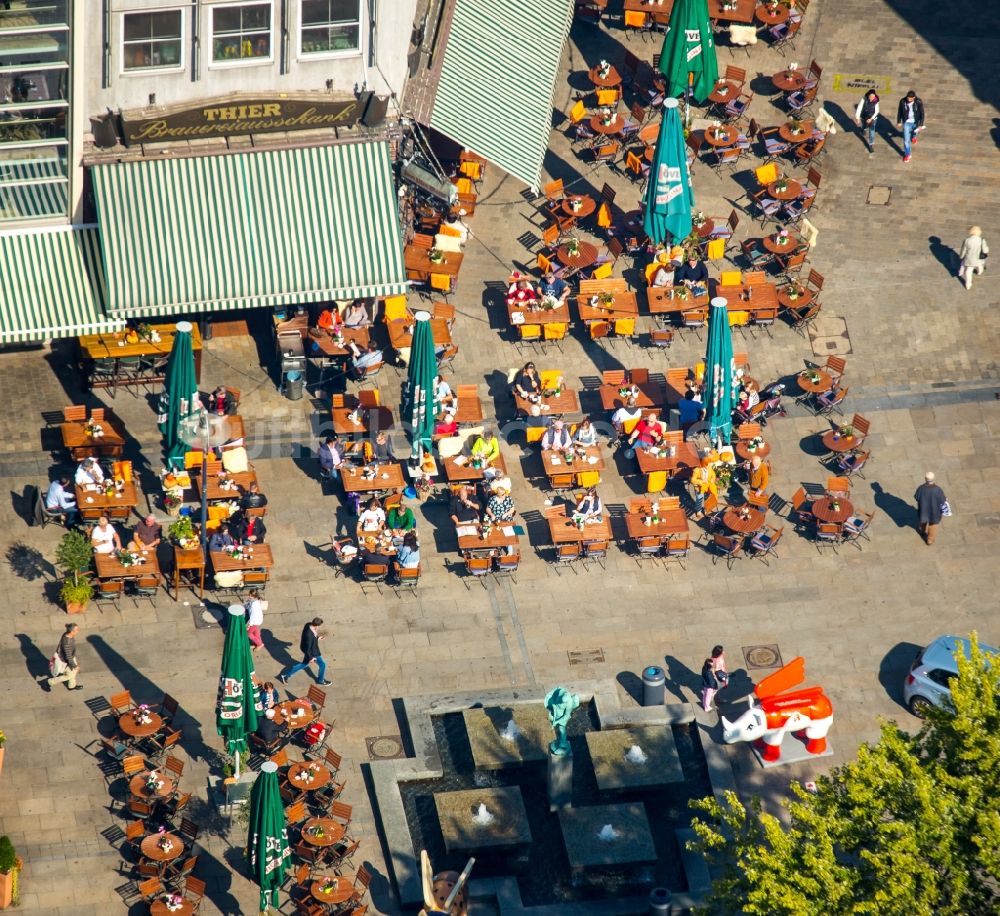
{"x": 927, "y": 684}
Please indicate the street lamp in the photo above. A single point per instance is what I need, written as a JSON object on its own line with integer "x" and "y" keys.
{"x": 210, "y": 432}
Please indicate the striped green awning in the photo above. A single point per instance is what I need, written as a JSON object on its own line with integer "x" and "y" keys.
{"x": 52, "y": 284}
{"x": 32, "y": 188}
{"x": 276, "y": 228}
{"x": 499, "y": 69}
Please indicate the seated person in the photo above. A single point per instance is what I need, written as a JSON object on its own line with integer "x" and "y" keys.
{"x": 329, "y": 319}
{"x": 500, "y": 507}
{"x": 331, "y": 457}
{"x": 372, "y": 518}
{"x": 554, "y": 286}
{"x": 247, "y": 529}
{"x": 444, "y": 395}
{"x": 89, "y": 472}
{"x": 221, "y": 402}
{"x": 486, "y": 447}
{"x": 399, "y": 520}
{"x": 268, "y": 731}
{"x": 747, "y": 398}
{"x": 356, "y": 315}
{"x": 664, "y": 273}
{"x": 557, "y": 437}
{"x": 760, "y": 474}
{"x": 647, "y": 433}
{"x": 527, "y": 382}
{"x": 104, "y": 538}
{"x": 690, "y": 409}
{"x": 269, "y": 695}
{"x": 589, "y": 505}
{"x": 148, "y": 533}
{"x": 464, "y": 506}
{"x": 520, "y": 291}
{"x": 221, "y": 539}
{"x": 368, "y": 555}
{"x": 408, "y": 552}
{"x": 60, "y": 498}
{"x": 585, "y": 433}
{"x": 253, "y": 498}
{"x": 445, "y": 425}
{"x": 380, "y": 449}
{"x": 628, "y": 412}
{"x": 362, "y": 361}
{"x": 693, "y": 273}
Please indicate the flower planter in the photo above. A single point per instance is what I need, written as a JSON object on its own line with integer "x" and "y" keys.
{"x": 73, "y": 608}
{"x": 1, "y": 759}
{"x": 6, "y": 889}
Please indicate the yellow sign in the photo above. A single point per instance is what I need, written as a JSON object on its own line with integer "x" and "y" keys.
{"x": 861, "y": 82}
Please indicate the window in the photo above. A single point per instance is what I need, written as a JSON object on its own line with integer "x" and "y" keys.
{"x": 330, "y": 26}
{"x": 152, "y": 40}
{"x": 32, "y": 13}
{"x": 241, "y": 32}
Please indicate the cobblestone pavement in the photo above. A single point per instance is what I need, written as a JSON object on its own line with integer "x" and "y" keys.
{"x": 922, "y": 366}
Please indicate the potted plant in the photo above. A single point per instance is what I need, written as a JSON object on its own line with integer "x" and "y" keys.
{"x": 73, "y": 556}
{"x": 182, "y": 532}
{"x": 10, "y": 865}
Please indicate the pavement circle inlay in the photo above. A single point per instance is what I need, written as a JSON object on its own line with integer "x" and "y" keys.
{"x": 384, "y": 747}
{"x": 762, "y": 656}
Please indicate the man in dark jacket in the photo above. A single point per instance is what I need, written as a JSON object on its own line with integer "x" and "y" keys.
{"x": 66, "y": 653}
{"x": 248, "y": 529}
{"x": 309, "y": 644}
{"x": 866, "y": 117}
{"x": 930, "y": 500}
{"x": 268, "y": 730}
{"x": 909, "y": 119}
{"x": 253, "y": 498}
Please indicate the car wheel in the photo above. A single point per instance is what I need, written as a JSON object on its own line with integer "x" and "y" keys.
{"x": 919, "y": 706}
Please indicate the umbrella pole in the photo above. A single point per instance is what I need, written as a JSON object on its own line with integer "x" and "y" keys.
{"x": 236, "y": 765}
{"x": 687, "y": 108}
{"x": 204, "y": 498}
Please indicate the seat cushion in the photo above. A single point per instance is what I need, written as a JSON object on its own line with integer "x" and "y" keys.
{"x": 235, "y": 460}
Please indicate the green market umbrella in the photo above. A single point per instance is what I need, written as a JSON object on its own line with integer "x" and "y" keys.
{"x": 720, "y": 373}
{"x": 688, "y": 47}
{"x": 669, "y": 195}
{"x": 267, "y": 836}
{"x": 238, "y": 704}
{"x": 179, "y": 398}
{"x": 421, "y": 407}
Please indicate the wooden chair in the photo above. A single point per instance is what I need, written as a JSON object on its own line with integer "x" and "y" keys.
{"x": 150, "y": 889}
{"x": 828, "y": 534}
{"x": 194, "y": 890}
{"x": 341, "y": 812}
{"x": 856, "y": 528}
{"x": 730, "y": 548}
{"x": 757, "y": 500}
{"x": 860, "y": 425}
{"x": 607, "y": 152}
{"x": 362, "y": 879}
{"x": 747, "y": 431}
{"x": 735, "y": 75}
{"x": 838, "y": 486}
{"x": 477, "y": 568}
{"x": 189, "y": 830}
{"x": 835, "y": 365}
{"x": 506, "y": 565}
{"x": 567, "y": 555}
{"x": 109, "y": 591}
{"x": 677, "y": 548}
{"x": 613, "y": 377}
{"x": 296, "y": 812}
{"x": 764, "y": 543}
{"x": 830, "y": 401}
{"x": 77, "y": 413}
{"x": 852, "y": 464}
{"x": 174, "y": 766}
{"x": 316, "y": 697}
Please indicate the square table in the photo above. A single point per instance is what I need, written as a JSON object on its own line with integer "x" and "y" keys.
{"x": 764, "y": 297}
{"x": 106, "y": 346}
{"x": 192, "y": 559}
{"x": 499, "y": 539}
{"x": 387, "y": 477}
{"x": 214, "y": 490}
{"x": 401, "y": 333}
{"x": 553, "y": 406}
{"x": 419, "y": 266}
{"x": 648, "y": 394}
{"x": 563, "y": 530}
{"x": 323, "y": 342}
{"x": 89, "y": 496}
{"x": 81, "y": 445}
{"x": 458, "y": 470}
{"x": 370, "y": 419}
{"x": 261, "y": 558}
{"x": 743, "y": 13}
{"x": 672, "y": 522}
{"x": 685, "y": 459}
{"x": 469, "y": 410}
{"x": 624, "y": 306}
{"x": 663, "y": 300}
{"x": 555, "y": 462}
{"x": 659, "y": 9}
{"x": 558, "y": 315}
{"x": 110, "y": 567}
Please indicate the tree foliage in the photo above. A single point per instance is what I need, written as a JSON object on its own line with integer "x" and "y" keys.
{"x": 909, "y": 828}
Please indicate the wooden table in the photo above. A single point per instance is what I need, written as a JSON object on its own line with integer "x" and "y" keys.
{"x": 332, "y": 831}
{"x": 605, "y": 82}
{"x": 763, "y": 297}
{"x": 587, "y": 205}
{"x": 551, "y": 406}
{"x": 721, "y": 137}
{"x": 81, "y": 445}
{"x": 649, "y": 134}
{"x": 647, "y": 394}
{"x": 664, "y": 300}
{"x": 789, "y": 80}
{"x": 672, "y": 522}
{"x": 498, "y": 540}
{"x": 328, "y": 346}
{"x": 128, "y": 725}
{"x": 259, "y": 556}
{"x": 724, "y": 91}
{"x": 537, "y": 315}
{"x": 799, "y": 302}
{"x": 805, "y": 129}
{"x": 743, "y": 519}
{"x": 823, "y": 383}
{"x": 340, "y": 892}
{"x": 298, "y": 772}
{"x": 159, "y": 908}
{"x": 614, "y": 126}
{"x": 137, "y": 786}
{"x": 150, "y": 848}
{"x": 624, "y": 305}
{"x": 743, "y": 13}
{"x": 586, "y": 257}
{"x": 823, "y": 510}
{"x": 370, "y": 419}
{"x": 89, "y": 498}
{"x": 742, "y": 449}
{"x": 685, "y": 459}
{"x": 401, "y": 333}
{"x": 463, "y": 471}
{"x": 772, "y": 15}
{"x": 659, "y": 9}
{"x": 563, "y": 530}
{"x": 283, "y": 713}
{"x": 835, "y": 442}
{"x": 469, "y": 410}
{"x": 214, "y": 491}
{"x": 772, "y": 244}
{"x": 419, "y": 266}
{"x": 556, "y": 462}
{"x": 105, "y": 346}
{"x": 387, "y": 477}
{"x": 110, "y": 567}
{"x": 792, "y": 190}
{"x": 189, "y": 559}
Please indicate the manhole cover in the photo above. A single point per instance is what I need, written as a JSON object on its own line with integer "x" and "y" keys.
{"x": 762, "y": 656}
{"x": 384, "y": 747}
{"x": 879, "y": 195}
{"x": 208, "y": 617}
{"x": 586, "y": 657}
{"x": 829, "y": 337}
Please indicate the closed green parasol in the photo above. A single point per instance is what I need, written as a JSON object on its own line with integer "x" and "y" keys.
{"x": 688, "y": 48}
{"x": 669, "y": 195}
{"x": 267, "y": 835}
{"x": 179, "y": 398}
{"x": 720, "y": 374}
{"x": 420, "y": 407}
{"x": 238, "y": 704}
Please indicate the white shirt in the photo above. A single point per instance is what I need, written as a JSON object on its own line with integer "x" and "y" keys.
{"x": 622, "y": 415}
{"x": 586, "y": 436}
{"x": 58, "y": 498}
{"x": 93, "y": 475}
{"x": 861, "y": 104}
{"x": 371, "y": 519}
{"x": 255, "y": 612}
{"x": 103, "y": 539}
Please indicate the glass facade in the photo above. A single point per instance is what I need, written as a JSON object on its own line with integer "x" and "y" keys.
{"x": 331, "y": 26}
{"x": 34, "y": 109}
{"x": 152, "y": 40}
{"x": 241, "y": 32}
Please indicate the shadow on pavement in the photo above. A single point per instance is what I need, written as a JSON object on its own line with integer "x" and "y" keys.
{"x": 895, "y": 665}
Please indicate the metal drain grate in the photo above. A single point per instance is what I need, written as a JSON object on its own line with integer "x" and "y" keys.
{"x": 586, "y": 657}
{"x": 879, "y": 195}
{"x": 828, "y": 336}
{"x": 384, "y": 747}
{"x": 762, "y": 656}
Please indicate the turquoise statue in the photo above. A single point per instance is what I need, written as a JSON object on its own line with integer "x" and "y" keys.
{"x": 560, "y": 703}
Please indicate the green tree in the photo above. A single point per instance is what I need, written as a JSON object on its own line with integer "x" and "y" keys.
{"x": 911, "y": 827}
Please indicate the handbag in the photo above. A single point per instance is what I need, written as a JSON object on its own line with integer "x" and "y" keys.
{"x": 945, "y": 509}
{"x": 56, "y": 665}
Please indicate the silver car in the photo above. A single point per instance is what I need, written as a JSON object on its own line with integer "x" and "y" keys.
{"x": 927, "y": 684}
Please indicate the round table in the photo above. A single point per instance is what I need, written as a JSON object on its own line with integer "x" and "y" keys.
{"x": 724, "y": 92}
{"x": 705, "y": 229}
{"x": 321, "y": 776}
{"x": 649, "y": 133}
{"x": 772, "y": 244}
{"x": 137, "y": 786}
{"x": 587, "y": 205}
{"x": 133, "y": 729}
{"x": 799, "y": 302}
{"x": 823, "y": 383}
{"x": 792, "y": 190}
{"x": 283, "y": 713}
{"x": 598, "y": 126}
{"x": 721, "y": 137}
{"x": 733, "y": 519}
{"x": 605, "y": 82}
{"x": 789, "y": 80}
{"x": 339, "y": 893}
{"x": 150, "y": 847}
{"x": 333, "y": 831}
{"x": 835, "y": 442}
{"x": 762, "y": 451}
{"x": 159, "y": 908}
{"x": 824, "y": 511}
{"x": 772, "y": 15}
{"x": 586, "y": 257}
{"x": 805, "y": 129}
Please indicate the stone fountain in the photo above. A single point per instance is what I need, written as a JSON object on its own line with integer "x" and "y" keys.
{"x": 482, "y": 819}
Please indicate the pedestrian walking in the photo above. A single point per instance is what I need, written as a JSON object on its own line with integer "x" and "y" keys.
{"x": 866, "y": 117}
{"x": 713, "y": 677}
{"x": 910, "y": 119}
{"x": 255, "y": 619}
{"x": 719, "y": 666}
{"x": 311, "y": 652}
{"x": 973, "y": 254}
{"x": 931, "y": 505}
{"x": 63, "y": 664}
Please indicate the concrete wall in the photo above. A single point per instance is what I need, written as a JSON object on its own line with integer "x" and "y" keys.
{"x": 198, "y": 77}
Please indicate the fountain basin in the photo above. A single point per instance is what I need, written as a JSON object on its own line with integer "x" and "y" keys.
{"x": 462, "y": 832}
{"x": 581, "y": 830}
{"x": 492, "y": 751}
{"x": 613, "y": 770}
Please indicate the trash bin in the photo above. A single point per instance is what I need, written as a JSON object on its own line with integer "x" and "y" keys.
{"x": 659, "y": 902}
{"x": 294, "y": 384}
{"x": 654, "y": 681}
